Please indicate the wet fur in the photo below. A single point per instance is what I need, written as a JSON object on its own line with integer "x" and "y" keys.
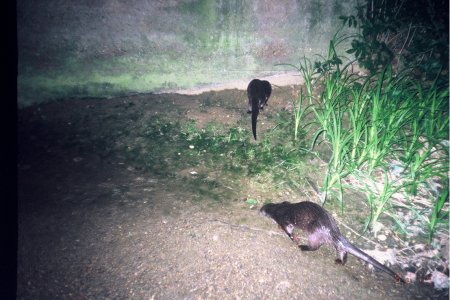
{"x": 258, "y": 93}
{"x": 321, "y": 229}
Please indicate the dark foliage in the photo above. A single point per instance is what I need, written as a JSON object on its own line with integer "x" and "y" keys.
{"x": 408, "y": 34}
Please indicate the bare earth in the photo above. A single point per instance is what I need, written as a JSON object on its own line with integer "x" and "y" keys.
{"x": 94, "y": 226}
{"x": 285, "y": 79}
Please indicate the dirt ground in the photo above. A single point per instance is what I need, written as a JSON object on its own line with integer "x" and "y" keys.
{"x": 94, "y": 226}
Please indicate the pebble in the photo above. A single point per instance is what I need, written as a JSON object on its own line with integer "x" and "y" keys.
{"x": 381, "y": 237}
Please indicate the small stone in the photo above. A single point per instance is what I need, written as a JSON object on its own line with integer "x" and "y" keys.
{"x": 381, "y": 237}
{"x": 440, "y": 280}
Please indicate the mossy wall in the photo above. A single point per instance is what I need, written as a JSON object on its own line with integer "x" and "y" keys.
{"x": 106, "y": 48}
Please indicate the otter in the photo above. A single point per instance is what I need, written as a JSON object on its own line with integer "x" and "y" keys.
{"x": 258, "y": 93}
{"x": 321, "y": 228}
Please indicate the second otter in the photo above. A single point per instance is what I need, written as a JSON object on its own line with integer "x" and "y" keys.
{"x": 258, "y": 93}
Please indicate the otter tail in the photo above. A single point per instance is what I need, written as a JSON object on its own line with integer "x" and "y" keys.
{"x": 255, "y": 112}
{"x": 367, "y": 258}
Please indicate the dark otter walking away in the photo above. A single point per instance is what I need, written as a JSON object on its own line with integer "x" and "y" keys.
{"x": 258, "y": 92}
{"x": 321, "y": 229}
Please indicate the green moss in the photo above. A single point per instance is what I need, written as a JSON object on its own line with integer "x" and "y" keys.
{"x": 118, "y": 76}
{"x": 174, "y": 46}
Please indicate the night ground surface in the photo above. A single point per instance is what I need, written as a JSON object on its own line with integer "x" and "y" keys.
{"x": 94, "y": 223}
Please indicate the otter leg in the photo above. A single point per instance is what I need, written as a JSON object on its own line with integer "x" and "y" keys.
{"x": 342, "y": 254}
{"x": 315, "y": 240}
{"x": 342, "y": 259}
{"x": 263, "y": 103}
{"x": 289, "y": 228}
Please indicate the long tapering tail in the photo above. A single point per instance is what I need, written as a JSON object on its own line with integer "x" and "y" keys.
{"x": 350, "y": 248}
{"x": 255, "y": 112}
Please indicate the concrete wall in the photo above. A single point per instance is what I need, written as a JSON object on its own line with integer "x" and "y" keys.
{"x": 105, "y": 48}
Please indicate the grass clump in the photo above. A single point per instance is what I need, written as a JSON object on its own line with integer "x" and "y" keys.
{"x": 387, "y": 134}
{"x": 232, "y": 149}
{"x": 166, "y": 148}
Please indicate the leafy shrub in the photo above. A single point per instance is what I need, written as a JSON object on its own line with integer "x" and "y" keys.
{"x": 408, "y": 34}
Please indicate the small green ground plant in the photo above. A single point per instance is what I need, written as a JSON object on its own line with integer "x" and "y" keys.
{"x": 168, "y": 147}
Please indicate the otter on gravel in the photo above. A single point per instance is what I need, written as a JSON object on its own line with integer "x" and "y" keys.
{"x": 321, "y": 229}
{"x": 258, "y": 92}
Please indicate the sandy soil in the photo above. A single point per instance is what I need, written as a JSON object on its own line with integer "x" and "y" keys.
{"x": 93, "y": 226}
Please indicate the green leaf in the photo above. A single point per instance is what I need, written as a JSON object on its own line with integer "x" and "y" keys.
{"x": 251, "y": 201}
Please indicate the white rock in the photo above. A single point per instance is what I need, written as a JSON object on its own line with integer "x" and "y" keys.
{"x": 381, "y": 237}
{"x": 440, "y": 280}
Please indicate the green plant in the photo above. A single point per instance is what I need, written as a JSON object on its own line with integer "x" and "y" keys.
{"x": 168, "y": 147}
{"x": 408, "y": 34}
{"x": 437, "y": 214}
{"x": 330, "y": 115}
{"x": 306, "y": 69}
{"x": 370, "y": 122}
